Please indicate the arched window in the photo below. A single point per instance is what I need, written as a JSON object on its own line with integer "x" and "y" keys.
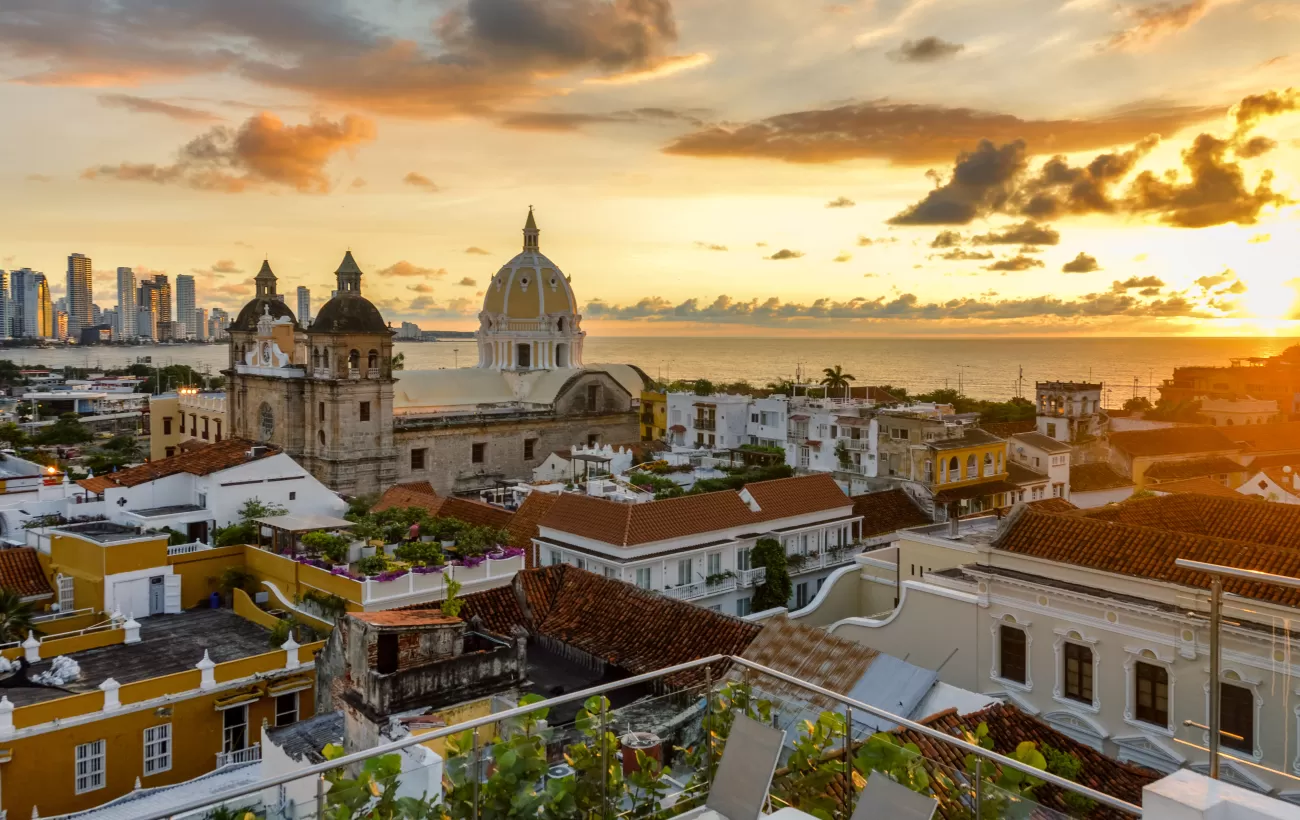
{"x": 559, "y": 324}
{"x": 970, "y": 466}
{"x": 266, "y": 420}
{"x": 562, "y": 355}
{"x": 322, "y": 412}
{"x": 1229, "y": 422}
{"x": 315, "y": 357}
{"x": 320, "y": 436}
{"x": 372, "y": 360}
{"x": 988, "y": 464}
{"x": 954, "y": 469}
{"x": 354, "y": 360}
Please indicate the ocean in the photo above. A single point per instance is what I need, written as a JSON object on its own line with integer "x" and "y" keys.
{"x": 983, "y": 368}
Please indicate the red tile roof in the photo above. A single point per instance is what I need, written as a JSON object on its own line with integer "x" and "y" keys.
{"x": 627, "y": 525}
{"x": 1052, "y": 505}
{"x": 523, "y": 525}
{"x": 1199, "y": 486}
{"x": 421, "y": 494}
{"x": 211, "y": 459}
{"x": 1244, "y": 518}
{"x": 1004, "y": 429}
{"x": 1149, "y": 552}
{"x": 20, "y": 571}
{"x": 1267, "y": 438}
{"x": 633, "y": 629}
{"x": 1170, "y": 441}
{"x": 1096, "y": 475}
{"x": 1192, "y": 468}
{"x": 887, "y": 511}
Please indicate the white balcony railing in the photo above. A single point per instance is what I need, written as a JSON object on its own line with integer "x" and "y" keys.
{"x": 186, "y": 549}
{"x": 321, "y": 373}
{"x": 856, "y": 443}
{"x": 249, "y": 755}
{"x": 372, "y": 373}
{"x": 751, "y": 577}
{"x": 830, "y": 557}
{"x": 688, "y": 592}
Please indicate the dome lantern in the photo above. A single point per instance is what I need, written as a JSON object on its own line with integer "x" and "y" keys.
{"x": 531, "y": 233}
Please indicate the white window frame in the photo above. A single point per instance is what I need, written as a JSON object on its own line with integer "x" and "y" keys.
{"x": 995, "y": 668}
{"x": 227, "y": 730}
{"x": 640, "y": 576}
{"x": 67, "y": 593}
{"x": 1235, "y": 676}
{"x": 713, "y": 563}
{"x": 1063, "y": 637}
{"x": 156, "y": 761}
{"x": 297, "y": 706}
{"x": 1138, "y": 655}
{"x": 555, "y": 558}
{"x": 612, "y": 572}
{"x": 745, "y": 606}
{"x": 94, "y": 756}
{"x": 685, "y": 571}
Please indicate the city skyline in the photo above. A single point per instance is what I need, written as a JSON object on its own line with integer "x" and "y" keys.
{"x": 892, "y": 170}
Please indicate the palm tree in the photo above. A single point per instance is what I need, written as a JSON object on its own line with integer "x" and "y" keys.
{"x": 398, "y": 361}
{"x": 835, "y": 377}
{"x": 15, "y": 617}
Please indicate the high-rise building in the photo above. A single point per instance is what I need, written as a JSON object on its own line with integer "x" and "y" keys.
{"x": 109, "y": 317}
{"x": 163, "y": 314}
{"x": 96, "y": 315}
{"x": 61, "y": 325}
{"x": 23, "y": 318}
{"x": 6, "y": 307}
{"x": 61, "y": 305}
{"x": 44, "y": 308}
{"x": 201, "y": 324}
{"x": 218, "y": 321}
{"x": 304, "y": 306}
{"x": 145, "y": 323}
{"x": 148, "y": 318}
{"x": 81, "y": 294}
{"x": 126, "y": 301}
{"x": 185, "y": 305}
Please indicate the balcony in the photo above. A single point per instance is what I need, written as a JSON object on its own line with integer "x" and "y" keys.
{"x": 252, "y": 754}
{"x": 706, "y": 711}
{"x": 797, "y": 433}
{"x": 321, "y": 373}
{"x": 689, "y": 592}
{"x": 648, "y": 418}
{"x": 372, "y": 373}
{"x": 706, "y": 424}
{"x": 800, "y": 563}
{"x": 751, "y": 577}
{"x": 856, "y": 444}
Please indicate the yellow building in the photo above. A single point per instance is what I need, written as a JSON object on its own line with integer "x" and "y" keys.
{"x": 186, "y": 415}
{"x": 654, "y": 416}
{"x": 968, "y": 474}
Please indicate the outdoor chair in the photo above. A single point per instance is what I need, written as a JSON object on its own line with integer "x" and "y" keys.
{"x": 883, "y": 798}
{"x": 744, "y": 774}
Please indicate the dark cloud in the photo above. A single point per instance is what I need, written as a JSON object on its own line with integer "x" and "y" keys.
{"x": 559, "y": 121}
{"x": 785, "y": 253}
{"x": 843, "y": 256}
{"x": 1236, "y": 287}
{"x": 1256, "y": 107}
{"x": 709, "y": 246}
{"x": 1215, "y": 279}
{"x": 1018, "y": 262}
{"x": 1214, "y": 193}
{"x": 263, "y": 152}
{"x": 404, "y": 268}
{"x": 467, "y": 282}
{"x": 866, "y": 241}
{"x": 221, "y": 267}
{"x": 143, "y": 105}
{"x": 1060, "y": 188}
{"x": 905, "y": 133}
{"x": 1149, "y": 292}
{"x": 841, "y": 202}
{"x": 982, "y": 182}
{"x": 1255, "y": 147}
{"x": 925, "y": 50}
{"x": 1083, "y": 263}
{"x": 1157, "y": 21}
{"x": 1137, "y": 282}
{"x": 477, "y": 251}
{"x": 418, "y": 180}
{"x": 420, "y": 288}
{"x": 962, "y": 255}
{"x": 947, "y": 239}
{"x": 1028, "y": 232}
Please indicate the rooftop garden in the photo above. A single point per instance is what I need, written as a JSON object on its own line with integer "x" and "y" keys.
{"x": 735, "y": 478}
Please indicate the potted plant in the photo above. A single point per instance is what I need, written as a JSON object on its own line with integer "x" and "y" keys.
{"x": 447, "y": 530}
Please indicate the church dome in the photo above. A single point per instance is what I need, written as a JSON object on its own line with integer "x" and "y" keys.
{"x": 530, "y": 285}
{"x": 265, "y": 301}
{"x": 349, "y": 311}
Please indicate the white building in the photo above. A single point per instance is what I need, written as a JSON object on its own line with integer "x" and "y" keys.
{"x": 1068, "y": 411}
{"x": 80, "y": 294}
{"x": 6, "y": 307}
{"x": 698, "y": 422}
{"x": 146, "y": 323}
{"x": 1231, "y": 412}
{"x": 1046, "y": 456}
{"x": 126, "y": 302}
{"x": 24, "y": 318}
{"x": 185, "y": 315}
{"x": 304, "y": 306}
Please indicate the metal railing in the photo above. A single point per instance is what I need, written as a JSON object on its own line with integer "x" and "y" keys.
{"x": 317, "y": 771}
{"x": 706, "y": 424}
{"x": 249, "y": 754}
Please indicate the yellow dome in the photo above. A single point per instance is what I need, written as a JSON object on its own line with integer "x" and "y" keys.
{"x": 529, "y": 286}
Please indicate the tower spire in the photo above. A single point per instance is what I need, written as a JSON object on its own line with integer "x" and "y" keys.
{"x": 531, "y": 232}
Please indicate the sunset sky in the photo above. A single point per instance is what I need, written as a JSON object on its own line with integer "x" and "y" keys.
{"x": 1114, "y": 167}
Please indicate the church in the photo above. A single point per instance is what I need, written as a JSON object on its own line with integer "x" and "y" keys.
{"x": 328, "y": 395}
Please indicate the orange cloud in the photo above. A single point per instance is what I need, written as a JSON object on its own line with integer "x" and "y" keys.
{"x": 416, "y": 180}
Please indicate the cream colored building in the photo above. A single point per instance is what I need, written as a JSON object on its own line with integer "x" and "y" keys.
{"x": 186, "y": 415}
{"x": 1082, "y": 620}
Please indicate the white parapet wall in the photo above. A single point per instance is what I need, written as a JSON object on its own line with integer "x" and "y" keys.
{"x": 1186, "y": 795}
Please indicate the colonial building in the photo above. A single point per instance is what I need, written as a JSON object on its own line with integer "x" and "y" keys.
{"x": 328, "y": 395}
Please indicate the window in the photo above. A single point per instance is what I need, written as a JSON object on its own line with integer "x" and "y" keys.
{"x": 835, "y": 432}
{"x": 194, "y": 424}
{"x": 90, "y": 766}
{"x": 293, "y": 495}
{"x": 744, "y": 606}
{"x": 267, "y": 418}
{"x": 1051, "y": 429}
{"x": 205, "y": 428}
{"x": 157, "y": 749}
{"x": 203, "y": 500}
{"x": 593, "y": 396}
{"x": 593, "y": 439}
{"x": 321, "y": 411}
{"x": 1152, "y": 694}
{"x": 1237, "y": 717}
{"x": 554, "y": 557}
{"x": 234, "y": 731}
{"x": 743, "y": 559}
{"x": 683, "y": 571}
{"x": 714, "y": 564}
{"x": 387, "y": 653}
{"x": 1012, "y": 654}
{"x": 477, "y": 452}
{"x": 365, "y": 411}
{"x": 1078, "y": 672}
{"x": 417, "y": 458}
{"x": 530, "y": 446}
{"x": 169, "y": 452}
{"x": 217, "y": 437}
{"x": 801, "y": 595}
{"x": 580, "y": 563}
{"x": 643, "y": 577}
{"x": 610, "y": 572}
{"x": 753, "y": 418}
{"x": 167, "y": 425}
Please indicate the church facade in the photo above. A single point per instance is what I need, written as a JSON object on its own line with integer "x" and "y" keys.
{"x": 328, "y": 395}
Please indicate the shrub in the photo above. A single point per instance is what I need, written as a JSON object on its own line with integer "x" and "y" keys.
{"x": 333, "y": 547}
{"x": 233, "y": 578}
{"x": 428, "y": 553}
{"x": 372, "y": 565}
{"x": 451, "y": 606}
{"x": 776, "y": 587}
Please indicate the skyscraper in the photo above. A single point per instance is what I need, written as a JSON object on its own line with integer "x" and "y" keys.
{"x": 6, "y": 306}
{"x": 23, "y": 319}
{"x": 44, "y": 308}
{"x": 304, "y": 306}
{"x": 162, "y": 317}
{"x": 201, "y": 324}
{"x": 126, "y": 302}
{"x": 147, "y": 319}
{"x": 81, "y": 294}
{"x": 185, "y": 305}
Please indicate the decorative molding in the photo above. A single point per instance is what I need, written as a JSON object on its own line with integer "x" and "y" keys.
{"x": 1135, "y": 656}
{"x": 1148, "y": 751}
{"x": 1245, "y": 683}
{"x": 995, "y": 667}
{"x": 1058, "y": 649}
{"x": 1078, "y": 727}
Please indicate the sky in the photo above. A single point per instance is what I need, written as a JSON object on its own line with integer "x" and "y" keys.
{"x": 698, "y": 167}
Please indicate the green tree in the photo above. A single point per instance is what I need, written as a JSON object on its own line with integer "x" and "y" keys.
{"x": 835, "y": 378}
{"x": 703, "y": 387}
{"x": 12, "y": 435}
{"x": 15, "y": 617}
{"x": 67, "y": 430}
{"x": 776, "y": 587}
{"x": 783, "y": 386}
{"x": 1137, "y": 404}
{"x": 1188, "y": 411}
{"x": 233, "y": 578}
{"x": 398, "y": 361}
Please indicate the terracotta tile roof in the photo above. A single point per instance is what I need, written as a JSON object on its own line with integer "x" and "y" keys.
{"x": 1199, "y": 486}
{"x": 1051, "y": 505}
{"x": 211, "y": 459}
{"x": 1267, "y": 438}
{"x": 627, "y": 525}
{"x": 1042, "y": 442}
{"x": 1192, "y": 468}
{"x": 1240, "y": 517}
{"x": 1096, "y": 475}
{"x": 1003, "y": 429}
{"x": 421, "y": 494}
{"x": 628, "y": 627}
{"x": 975, "y": 491}
{"x": 1170, "y": 441}
{"x": 1008, "y": 727}
{"x": 887, "y": 511}
{"x": 523, "y": 524}
{"x": 1149, "y": 552}
{"x": 1020, "y": 475}
{"x": 20, "y": 571}
{"x": 1275, "y": 460}
{"x": 810, "y": 654}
